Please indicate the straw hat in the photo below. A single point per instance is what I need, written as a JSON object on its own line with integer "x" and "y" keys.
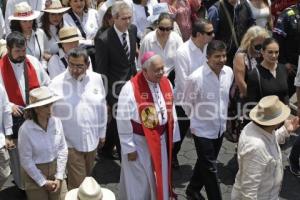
{"x": 54, "y": 6}
{"x": 68, "y": 34}
{"x": 41, "y": 96}
{"x": 270, "y": 111}
{"x": 23, "y": 11}
{"x": 90, "y": 190}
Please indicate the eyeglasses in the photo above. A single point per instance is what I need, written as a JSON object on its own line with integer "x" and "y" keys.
{"x": 165, "y": 28}
{"x": 76, "y": 66}
{"x": 257, "y": 47}
{"x": 125, "y": 18}
{"x": 209, "y": 33}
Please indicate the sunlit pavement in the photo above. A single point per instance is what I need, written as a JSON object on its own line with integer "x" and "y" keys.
{"x": 107, "y": 173}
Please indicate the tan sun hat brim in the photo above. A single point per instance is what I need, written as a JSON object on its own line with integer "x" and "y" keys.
{"x": 285, "y": 113}
{"x": 74, "y": 39}
{"x": 56, "y": 10}
{"x": 107, "y": 194}
{"x": 34, "y": 15}
{"x": 44, "y": 102}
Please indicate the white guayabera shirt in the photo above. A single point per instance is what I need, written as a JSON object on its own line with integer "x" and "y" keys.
{"x": 260, "y": 164}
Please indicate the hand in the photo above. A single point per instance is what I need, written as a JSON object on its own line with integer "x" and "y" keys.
{"x": 132, "y": 156}
{"x": 290, "y": 68}
{"x": 49, "y": 185}
{"x": 57, "y": 184}
{"x": 101, "y": 143}
{"x": 47, "y": 56}
{"x": 9, "y": 144}
{"x": 16, "y": 111}
{"x": 291, "y": 124}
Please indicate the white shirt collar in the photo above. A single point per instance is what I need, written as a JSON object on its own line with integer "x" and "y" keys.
{"x": 119, "y": 33}
{"x": 269, "y": 136}
{"x": 16, "y": 65}
{"x": 69, "y": 77}
{"x": 33, "y": 125}
{"x": 193, "y": 46}
{"x": 208, "y": 70}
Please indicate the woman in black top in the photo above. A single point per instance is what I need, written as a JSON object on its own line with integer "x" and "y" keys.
{"x": 270, "y": 77}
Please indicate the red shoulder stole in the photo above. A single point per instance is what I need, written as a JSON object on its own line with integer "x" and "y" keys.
{"x": 10, "y": 82}
{"x": 144, "y": 98}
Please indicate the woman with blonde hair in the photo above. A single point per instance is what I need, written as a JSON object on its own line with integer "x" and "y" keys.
{"x": 245, "y": 60}
{"x": 247, "y": 55}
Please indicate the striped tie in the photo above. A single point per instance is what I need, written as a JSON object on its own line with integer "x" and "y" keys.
{"x": 125, "y": 46}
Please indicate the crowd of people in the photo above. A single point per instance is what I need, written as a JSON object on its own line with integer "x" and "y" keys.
{"x": 128, "y": 80}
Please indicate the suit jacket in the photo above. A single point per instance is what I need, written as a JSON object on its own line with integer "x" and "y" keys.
{"x": 112, "y": 62}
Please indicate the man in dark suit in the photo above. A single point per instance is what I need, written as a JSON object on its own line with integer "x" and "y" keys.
{"x": 115, "y": 60}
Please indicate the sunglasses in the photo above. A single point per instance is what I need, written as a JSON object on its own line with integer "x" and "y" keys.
{"x": 209, "y": 33}
{"x": 165, "y": 28}
{"x": 257, "y": 47}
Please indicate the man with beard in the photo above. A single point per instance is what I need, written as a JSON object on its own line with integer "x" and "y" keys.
{"x": 19, "y": 73}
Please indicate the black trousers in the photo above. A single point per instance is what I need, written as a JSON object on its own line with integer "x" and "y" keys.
{"x": 295, "y": 152}
{"x": 184, "y": 125}
{"x": 112, "y": 138}
{"x": 205, "y": 170}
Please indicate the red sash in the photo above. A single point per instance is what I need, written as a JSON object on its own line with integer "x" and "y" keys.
{"x": 10, "y": 81}
{"x": 143, "y": 97}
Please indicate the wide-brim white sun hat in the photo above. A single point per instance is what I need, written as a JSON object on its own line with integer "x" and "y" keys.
{"x": 24, "y": 12}
{"x": 270, "y": 111}
{"x": 41, "y": 96}
{"x": 90, "y": 190}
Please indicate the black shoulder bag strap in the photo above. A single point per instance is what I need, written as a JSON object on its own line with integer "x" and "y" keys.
{"x": 259, "y": 82}
{"x": 78, "y": 24}
{"x": 26, "y": 83}
{"x": 249, "y": 63}
{"x": 63, "y": 60}
{"x": 230, "y": 23}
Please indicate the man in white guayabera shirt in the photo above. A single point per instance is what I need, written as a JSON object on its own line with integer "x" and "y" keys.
{"x": 83, "y": 113}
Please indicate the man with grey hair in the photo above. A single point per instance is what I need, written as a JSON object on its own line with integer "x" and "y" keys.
{"x": 147, "y": 128}
{"x": 116, "y": 50}
{"x": 83, "y": 114}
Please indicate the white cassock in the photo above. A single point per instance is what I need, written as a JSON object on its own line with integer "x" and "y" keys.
{"x": 137, "y": 181}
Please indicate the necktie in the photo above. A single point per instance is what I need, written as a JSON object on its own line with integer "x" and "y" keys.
{"x": 146, "y": 11}
{"x": 125, "y": 46}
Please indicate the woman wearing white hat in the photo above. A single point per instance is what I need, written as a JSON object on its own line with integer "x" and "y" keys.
{"x": 24, "y": 20}
{"x": 42, "y": 148}
{"x": 259, "y": 156}
{"x": 84, "y": 18}
{"x": 90, "y": 190}
{"x": 68, "y": 39}
{"x": 51, "y": 22}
